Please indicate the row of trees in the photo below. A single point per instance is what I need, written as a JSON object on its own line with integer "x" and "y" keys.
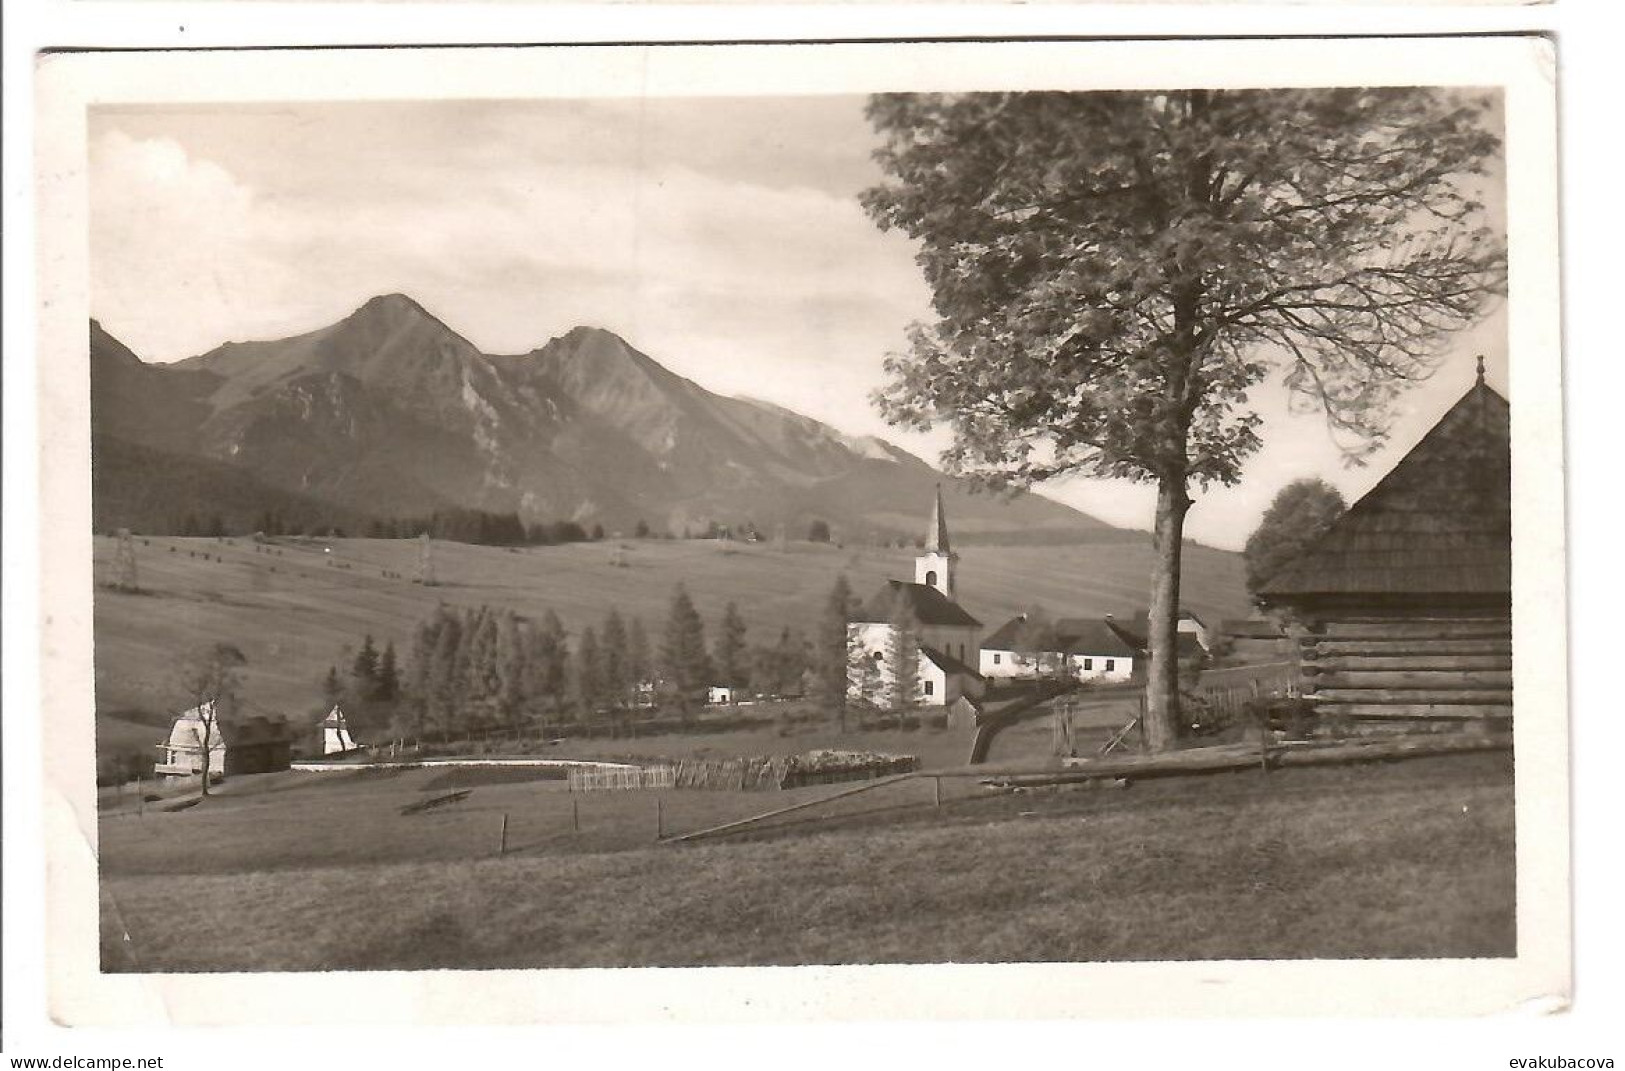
{"x": 471, "y": 669}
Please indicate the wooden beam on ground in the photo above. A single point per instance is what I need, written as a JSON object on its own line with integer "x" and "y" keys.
{"x": 727, "y": 827}
{"x": 1239, "y": 756}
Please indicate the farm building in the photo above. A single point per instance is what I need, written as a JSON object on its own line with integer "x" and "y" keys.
{"x": 1403, "y": 609}
{"x": 1026, "y": 647}
{"x": 1194, "y": 635}
{"x": 336, "y": 738}
{"x": 236, "y": 744}
{"x": 919, "y": 621}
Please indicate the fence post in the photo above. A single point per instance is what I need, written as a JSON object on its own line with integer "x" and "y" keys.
{"x": 936, "y": 792}
{"x": 660, "y": 819}
{"x": 502, "y": 846}
{"x": 575, "y": 814}
{"x": 140, "y": 799}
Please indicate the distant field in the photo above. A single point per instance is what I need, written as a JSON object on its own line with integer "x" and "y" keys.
{"x": 294, "y": 612}
{"x": 287, "y": 872}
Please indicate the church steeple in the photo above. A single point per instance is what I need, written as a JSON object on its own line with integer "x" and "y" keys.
{"x": 935, "y": 568}
{"x": 936, "y": 538}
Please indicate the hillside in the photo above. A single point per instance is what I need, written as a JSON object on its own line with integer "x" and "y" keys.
{"x": 293, "y": 612}
{"x": 391, "y": 413}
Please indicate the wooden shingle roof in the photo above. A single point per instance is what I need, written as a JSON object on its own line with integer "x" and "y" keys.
{"x": 1440, "y": 523}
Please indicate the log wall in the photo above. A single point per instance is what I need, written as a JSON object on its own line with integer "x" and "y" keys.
{"x": 1410, "y": 669}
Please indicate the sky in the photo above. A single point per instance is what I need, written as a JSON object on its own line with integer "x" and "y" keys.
{"x": 723, "y": 237}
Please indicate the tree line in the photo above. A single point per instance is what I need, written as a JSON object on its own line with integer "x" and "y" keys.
{"x": 473, "y": 669}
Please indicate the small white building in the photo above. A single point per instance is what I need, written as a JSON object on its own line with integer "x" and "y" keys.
{"x": 336, "y": 738}
{"x": 719, "y": 695}
{"x": 1076, "y": 648}
{"x": 236, "y": 744}
{"x": 181, "y": 753}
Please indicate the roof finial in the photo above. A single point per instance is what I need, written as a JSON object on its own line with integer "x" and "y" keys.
{"x": 936, "y": 538}
{"x": 1480, "y": 370}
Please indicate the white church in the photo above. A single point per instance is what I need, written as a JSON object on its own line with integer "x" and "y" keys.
{"x": 949, "y": 657}
{"x": 920, "y": 620}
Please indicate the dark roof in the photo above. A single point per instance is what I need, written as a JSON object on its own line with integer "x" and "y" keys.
{"x": 1440, "y": 523}
{"x": 1133, "y": 631}
{"x": 257, "y": 729}
{"x": 925, "y": 604}
{"x": 948, "y": 663}
{"x": 1071, "y": 635}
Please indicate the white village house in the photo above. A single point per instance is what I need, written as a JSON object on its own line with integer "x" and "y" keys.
{"x": 236, "y": 744}
{"x": 1078, "y": 648}
{"x": 920, "y": 620}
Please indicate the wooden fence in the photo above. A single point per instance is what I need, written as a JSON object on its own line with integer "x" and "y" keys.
{"x": 1230, "y": 701}
{"x": 624, "y": 779}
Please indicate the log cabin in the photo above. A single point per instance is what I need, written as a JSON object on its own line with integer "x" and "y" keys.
{"x": 1402, "y": 610}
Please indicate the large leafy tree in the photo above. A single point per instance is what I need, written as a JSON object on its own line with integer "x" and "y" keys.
{"x": 1298, "y": 516}
{"x": 1113, "y": 272}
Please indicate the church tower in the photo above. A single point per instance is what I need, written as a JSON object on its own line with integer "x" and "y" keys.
{"x": 935, "y": 568}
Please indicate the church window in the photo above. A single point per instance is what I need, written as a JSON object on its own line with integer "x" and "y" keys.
{"x": 931, "y": 577}
{"x": 928, "y": 686}
{"x": 996, "y": 657}
{"x": 1088, "y": 663}
{"x": 1111, "y": 664}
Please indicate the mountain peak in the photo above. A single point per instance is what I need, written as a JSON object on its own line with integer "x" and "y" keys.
{"x": 394, "y": 306}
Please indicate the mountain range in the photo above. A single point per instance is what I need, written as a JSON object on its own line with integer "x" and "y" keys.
{"x": 390, "y": 413}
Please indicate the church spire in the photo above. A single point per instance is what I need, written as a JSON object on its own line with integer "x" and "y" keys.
{"x": 937, "y": 537}
{"x": 935, "y": 565}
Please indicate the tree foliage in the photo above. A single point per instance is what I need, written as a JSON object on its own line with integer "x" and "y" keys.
{"x": 1298, "y": 516}
{"x": 1113, "y": 272}
{"x": 729, "y": 654}
{"x": 683, "y": 659}
{"x": 830, "y": 648}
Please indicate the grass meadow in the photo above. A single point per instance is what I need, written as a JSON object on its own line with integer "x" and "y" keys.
{"x": 295, "y": 611}
{"x": 290, "y": 872}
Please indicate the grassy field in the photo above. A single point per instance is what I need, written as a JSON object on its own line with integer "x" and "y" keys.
{"x": 295, "y": 621}
{"x": 288, "y": 872}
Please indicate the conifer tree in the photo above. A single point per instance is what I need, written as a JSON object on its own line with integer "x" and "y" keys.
{"x": 729, "y": 655}
{"x": 587, "y": 674}
{"x": 639, "y": 659}
{"x": 683, "y": 660}
{"x": 830, "y": 656}
{"x": 613, "y": 644}
{"x": 389, "y": 675}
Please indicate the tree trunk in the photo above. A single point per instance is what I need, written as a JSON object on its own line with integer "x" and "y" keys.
{"x": 1162, "y": 719}
{"x": 208, "y": 731}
